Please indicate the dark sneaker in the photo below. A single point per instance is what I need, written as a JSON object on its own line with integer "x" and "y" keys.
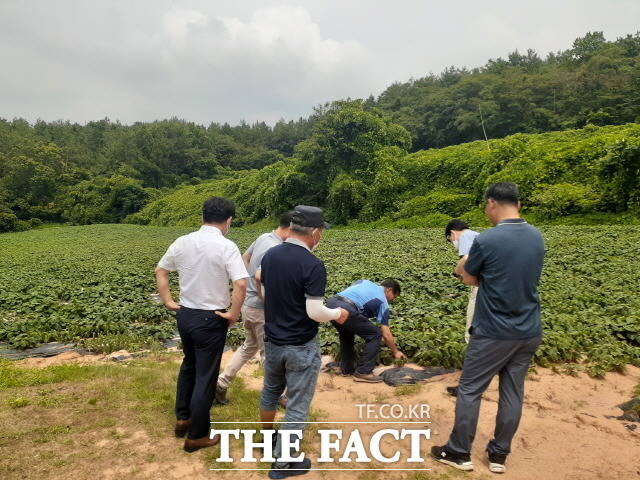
{"x": 367, "y": 377}
{"x": 221, "y": 395}
{"x": 496, "y": 462}
{"x": 456, "y": 460}
{"x": 274, "y": 440}
{"x": 453, "y": 391}
{"x": 294, "y": 468}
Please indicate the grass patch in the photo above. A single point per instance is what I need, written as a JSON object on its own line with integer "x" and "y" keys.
{"x": 91, "y": 421}
{"x": 12, "y": 376}
{"x": 18, "y": 402}
{"x": 408, "y": 389}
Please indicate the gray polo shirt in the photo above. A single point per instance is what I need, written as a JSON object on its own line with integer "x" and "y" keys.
{"x": 257, "y": 250}
{"x": 507, "y": 259}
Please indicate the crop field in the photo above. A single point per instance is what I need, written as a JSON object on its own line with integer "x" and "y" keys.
{"x": 94, "y": 285}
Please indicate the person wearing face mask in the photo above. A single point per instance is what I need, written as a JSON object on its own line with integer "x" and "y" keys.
{"x": 294, "y": 282}
{"x": 206, "y": 262}
{"x": 253, "y": 308}
{"x": 461, "y": 237}
{"x": 506, "y": 263}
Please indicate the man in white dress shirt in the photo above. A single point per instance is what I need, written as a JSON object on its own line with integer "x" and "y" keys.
{"x": 206, "y": 262}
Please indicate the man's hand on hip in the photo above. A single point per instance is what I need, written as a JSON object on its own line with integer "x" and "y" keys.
{"x": 228, "y": 316}
{"x": 173, "y": 306}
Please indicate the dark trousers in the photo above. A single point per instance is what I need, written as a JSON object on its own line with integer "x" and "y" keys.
{"x": 203, "y": 335}
{"x": 485, "y": 358}
{"x": 356, "y": 324}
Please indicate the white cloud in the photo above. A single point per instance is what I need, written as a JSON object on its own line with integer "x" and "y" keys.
{"x": 258, "y": 59}
{"x": 177, "y": 23}
{"x": 191, "y": 63}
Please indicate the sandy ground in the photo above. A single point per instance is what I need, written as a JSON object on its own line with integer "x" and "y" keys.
{"x": 564, "y": 433}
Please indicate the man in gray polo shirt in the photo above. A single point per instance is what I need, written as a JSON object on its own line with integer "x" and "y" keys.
{"x": 253, "y": 308}
{"x": 506, "y": 263}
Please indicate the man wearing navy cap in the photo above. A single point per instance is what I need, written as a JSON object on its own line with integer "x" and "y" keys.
{"x": 294, "y": 281}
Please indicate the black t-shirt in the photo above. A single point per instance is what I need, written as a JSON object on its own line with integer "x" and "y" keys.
{"x": 290, "y": 273}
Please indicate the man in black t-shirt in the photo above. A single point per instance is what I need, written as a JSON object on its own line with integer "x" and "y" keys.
{"x": 294, "y": 281}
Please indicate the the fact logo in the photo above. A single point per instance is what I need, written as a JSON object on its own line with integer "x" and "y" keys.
{"x": 346, "y": 444}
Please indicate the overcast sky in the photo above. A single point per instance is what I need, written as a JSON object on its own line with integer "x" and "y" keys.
{"x": 219, "y": 60}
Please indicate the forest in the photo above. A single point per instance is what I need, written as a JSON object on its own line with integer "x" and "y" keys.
{"x": 421, "y": 152}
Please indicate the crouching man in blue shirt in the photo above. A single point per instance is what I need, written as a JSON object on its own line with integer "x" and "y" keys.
{"x": 363, "y": 300}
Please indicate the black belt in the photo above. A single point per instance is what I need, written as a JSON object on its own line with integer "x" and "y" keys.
{"x": 280, "y": 344}
{"x": 347, "y": 300}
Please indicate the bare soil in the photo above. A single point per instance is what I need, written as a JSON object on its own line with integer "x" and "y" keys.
{"x": 564, "y": 433}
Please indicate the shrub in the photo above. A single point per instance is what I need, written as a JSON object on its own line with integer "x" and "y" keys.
{"x": 552, "y": 201}
{"x": 439, "y": 201}
{"x": 8, "y": 222}
{"x": 35, "y": 222}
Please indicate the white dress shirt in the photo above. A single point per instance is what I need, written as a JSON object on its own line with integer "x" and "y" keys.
{"x": 205, "y": 261}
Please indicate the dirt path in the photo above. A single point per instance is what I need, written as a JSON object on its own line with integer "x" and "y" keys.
{"x": 564, "y": 433}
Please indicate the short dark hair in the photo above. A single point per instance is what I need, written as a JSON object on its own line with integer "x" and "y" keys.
{"x": 455, "y": 224}
{"x": 392, "y": 284}
{"x": 285, "y": 219}
{"x": 217, "y": 210}
{"x": 503, "y": 192}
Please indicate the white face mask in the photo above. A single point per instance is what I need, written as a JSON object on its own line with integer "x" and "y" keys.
{"x": 455, "y": 244}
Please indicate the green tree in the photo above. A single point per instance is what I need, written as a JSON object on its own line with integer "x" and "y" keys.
{"x": 344, "y": 141}
{"x": 619, "y": 173}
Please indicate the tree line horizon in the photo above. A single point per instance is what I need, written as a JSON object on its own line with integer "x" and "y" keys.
{"x": 104, "y": 171}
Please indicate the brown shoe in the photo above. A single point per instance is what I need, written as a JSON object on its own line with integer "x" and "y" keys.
{"x": 367, "y": 377}
{"x": 191, "y": 446}
{"x": 181, "y": 428}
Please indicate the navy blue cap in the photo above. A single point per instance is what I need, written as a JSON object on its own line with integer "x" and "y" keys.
{"x": 307, "y": 216}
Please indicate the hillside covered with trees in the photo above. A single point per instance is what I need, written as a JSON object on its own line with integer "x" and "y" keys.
{"x": 589, "y": 175}
{"x": 363, "y": 160}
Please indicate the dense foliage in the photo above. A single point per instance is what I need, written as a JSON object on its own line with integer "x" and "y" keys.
{"x": 594, "y": 82}
{"x": 591, "y": 175}
{"x": 71, "y": 283}
{"x": 103, "y": 171}
{"x": 351, "y": 156}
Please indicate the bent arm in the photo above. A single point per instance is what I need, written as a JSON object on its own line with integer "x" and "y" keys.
{"x": 463, "y": 275}
{"x": 246, "y": 258}
{"x": 259, "y": 288}
{"x": 318, "y": 312}
{"x": 237, "y": 298}
{"x": 162, "y": 282}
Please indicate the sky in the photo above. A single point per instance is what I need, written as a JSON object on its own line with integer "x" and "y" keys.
{"x": 260, "y": 60}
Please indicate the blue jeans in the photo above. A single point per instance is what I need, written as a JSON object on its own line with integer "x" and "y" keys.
{"x": 294, "y": 368}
